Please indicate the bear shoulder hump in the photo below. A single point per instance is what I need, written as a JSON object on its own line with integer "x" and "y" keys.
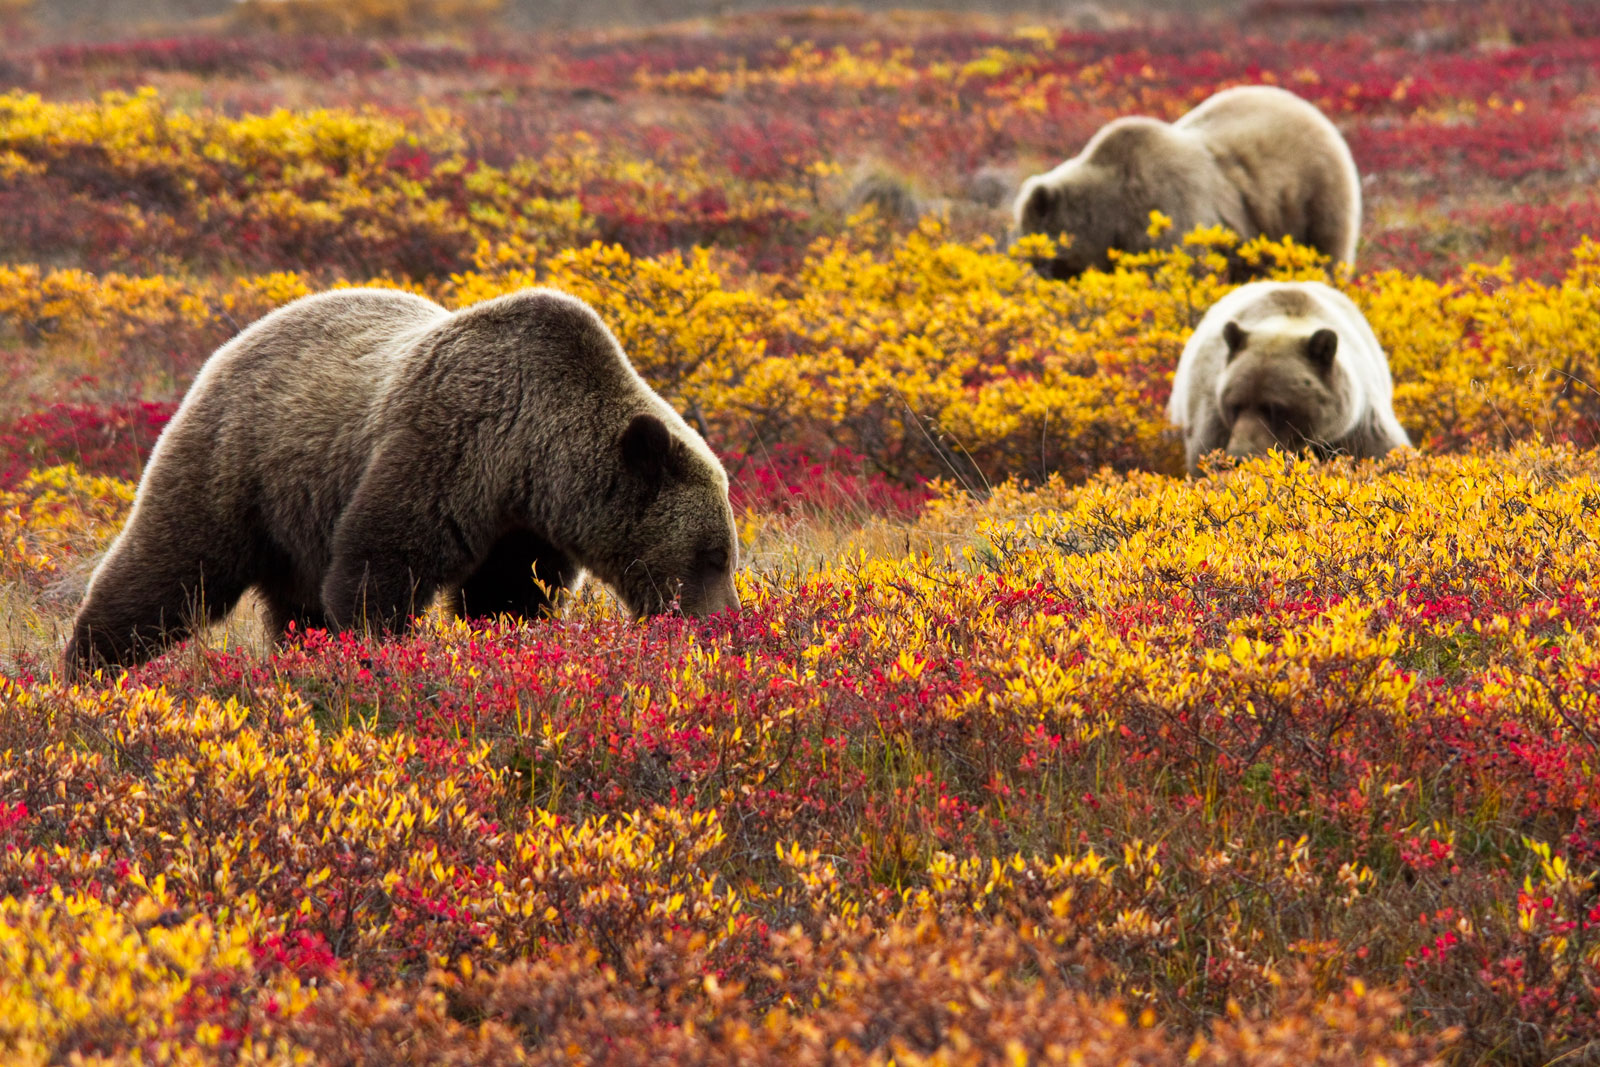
{"x": 550, "y": 311}
{"x": 530, "y": 328}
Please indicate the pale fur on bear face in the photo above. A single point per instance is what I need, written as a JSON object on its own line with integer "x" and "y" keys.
{"x": 355, "y": 453}
{"x": 1288, "y": 365}
{"x": 1257, "y": 160}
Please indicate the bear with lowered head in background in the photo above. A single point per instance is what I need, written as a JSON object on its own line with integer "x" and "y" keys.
{"x": 356, "y": 452}
{"x": 1256, "y": 159}
{"x": 1290, "y": 365}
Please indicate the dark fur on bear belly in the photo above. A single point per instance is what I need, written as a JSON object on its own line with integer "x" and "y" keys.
{"x": 505, "y": 582}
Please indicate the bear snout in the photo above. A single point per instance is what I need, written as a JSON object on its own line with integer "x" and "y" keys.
{"x": 720, "y": 596}
{"x": 728, "y": 598}
{"x": 1055, "y": 270}
{"x": 1251, "y": 436}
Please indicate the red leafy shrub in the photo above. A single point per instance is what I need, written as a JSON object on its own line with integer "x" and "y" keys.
{"x": 1537, "y": 235}
{"x": 1428, "y": 111}
{"x": 110, "y": 439}
{"x": 783, "y": 480}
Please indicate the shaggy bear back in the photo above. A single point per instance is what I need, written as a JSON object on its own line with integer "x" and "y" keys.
{"x": 1257, "y": 160}
{"x": 260, "y": 420}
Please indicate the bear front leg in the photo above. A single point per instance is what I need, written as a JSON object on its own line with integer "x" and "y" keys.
{"x": 1210, "y": 436}
{"x": 1369, "y": 440}
{"x": 142, "y": 601}
{"x": 517, "y": 578}
{"x": 395, "y": 545}
{"x": 383, "y": 574}
{"x": 281, "y": 612}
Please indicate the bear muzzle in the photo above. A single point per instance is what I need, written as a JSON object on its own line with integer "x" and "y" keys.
{"x": 1252, "y": 436}
{"x": 690, "y": 599}
{"x": 719, "y": 597}
{"x": 1056, "y": 269}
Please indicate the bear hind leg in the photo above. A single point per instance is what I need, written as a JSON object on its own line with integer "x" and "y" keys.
{"x": 517, "y": 578}
{"x": 1333, "y": 224}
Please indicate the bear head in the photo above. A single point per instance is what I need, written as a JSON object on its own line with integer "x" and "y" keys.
{"x": 1281, "y": 389}
{"x": 1065, "y": 212}
{"x": 1102, "y": 198}
{"x": 675, "y": 544}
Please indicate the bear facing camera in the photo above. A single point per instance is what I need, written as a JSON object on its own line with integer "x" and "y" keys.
{"x": 355, "y": 453}
{"x": 1256, "y": 159}
{"x": 1289, "y": 365}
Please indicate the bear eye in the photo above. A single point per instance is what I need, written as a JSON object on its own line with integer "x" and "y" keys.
{"x": 712, "y": 559}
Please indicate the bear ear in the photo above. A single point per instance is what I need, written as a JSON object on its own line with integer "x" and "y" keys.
{"x": 1321, "y": 348}
{"x": 1234, "y": 337}
{"x": 650, "y": 451}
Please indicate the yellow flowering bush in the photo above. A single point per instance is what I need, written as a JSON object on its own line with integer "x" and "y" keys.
{"x": 57, "y": 516}
{"x": 936, "y": 358}
{"x": 1083, "y": 724}
{"x": 101, "y": 983}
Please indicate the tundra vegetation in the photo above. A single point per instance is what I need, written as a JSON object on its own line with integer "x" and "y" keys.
{"x": 1023, "y": 748}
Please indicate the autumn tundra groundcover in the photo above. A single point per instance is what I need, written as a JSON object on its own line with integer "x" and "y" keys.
{"x": 1023, "y": 749}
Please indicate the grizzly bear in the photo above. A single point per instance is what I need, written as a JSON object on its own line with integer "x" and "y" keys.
{"x": 1256, "y": 159}
{"x": 1291, "y": 365}
{"x": 356, "y": 452}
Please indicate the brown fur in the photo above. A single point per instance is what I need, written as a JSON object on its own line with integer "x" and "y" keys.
{"x": 1256, "y": 159}
{"x": 1290, "y": 365}
{"x": 356, "y": 452}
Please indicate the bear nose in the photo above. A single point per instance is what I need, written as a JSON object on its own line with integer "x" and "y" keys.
{"x": 714, "y": 599}
{"x": 724, "y": 598}
{"x": 1251, "y": 436}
